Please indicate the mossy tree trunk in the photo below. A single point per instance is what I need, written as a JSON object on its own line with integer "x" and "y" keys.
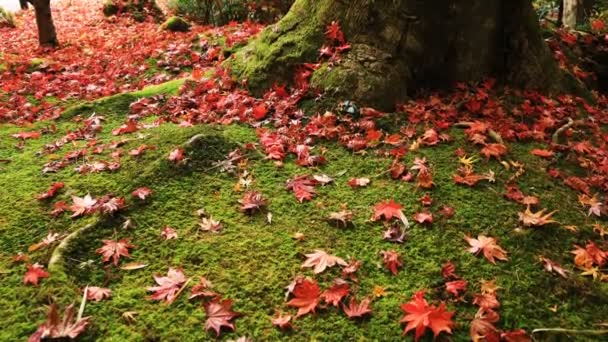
{"x": 47, "y": 36}
{"x": 400, "y": 46}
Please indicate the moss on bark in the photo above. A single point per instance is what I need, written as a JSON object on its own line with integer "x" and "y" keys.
{"x": 400, "y": 46}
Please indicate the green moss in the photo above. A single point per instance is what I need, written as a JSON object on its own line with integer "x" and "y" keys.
{"x": 110, "y": 8}
{"x": 295, "y": 39}
{"x": 252, "y": 261}
{"x": 176, "y": 24}
{"x": 36, "y": 64}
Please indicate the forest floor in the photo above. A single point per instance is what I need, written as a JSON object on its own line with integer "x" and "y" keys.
{"x": 113, "y": 114}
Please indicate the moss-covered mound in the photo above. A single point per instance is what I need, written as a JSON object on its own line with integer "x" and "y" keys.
{"x": 176, "y": 24}
{"x": 139, "y": 10}
{"x": 252, "y": 259}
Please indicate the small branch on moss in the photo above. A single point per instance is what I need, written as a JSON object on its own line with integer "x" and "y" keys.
{"x": 180, "y": 290}
{"x": 83, "y": 303}
{"x": 560, "y": 131}
{"x": 491, "y": 133}
{"x": 571, "y": 331}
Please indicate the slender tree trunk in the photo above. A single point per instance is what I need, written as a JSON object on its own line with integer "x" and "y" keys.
{"x": 401, "y": 46}
{"x": 576, "y": 11}
{"x": 47, "y": 35}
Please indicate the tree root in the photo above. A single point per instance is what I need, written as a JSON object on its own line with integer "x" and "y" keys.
{"x": 57, "y": 260}
{"x": 491, "y": 133}
{"x": 555, "y": 139}
{"x": 571, "y": 331}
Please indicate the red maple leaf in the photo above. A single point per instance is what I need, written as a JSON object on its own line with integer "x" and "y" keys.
{"x": 388, "y": 209}
{"x": 141, "y": 193}
{"x": 219, "y": 314}
{"x": 252, "y": 202}
{"x": 455, "y": 286}
{"x": 114, "y": 250}
{"x": 33, "y": 273}
{"x": 302, "y": 187}
{"x": 26, "y": 135}
{"x": 420, "y": 315}
{"x": 168, "y": 286}
{"x": 54, "y": 328}
{"x": 306, "y": 296}
{"x": 356, "y": 310}
{"x": 129, "y": 127}
{"x": 494, "y": 150}
{"x": 177, "y": 155}
{"x": 50, "y": 193}
{"x": 334, "y": 32}
{"x": 448, "y": 270}
{"x": 392, "y": 261}
{"x": 259, "y": 111}
{"x": 542, "y": 153}
{"x": 334, "y": 294}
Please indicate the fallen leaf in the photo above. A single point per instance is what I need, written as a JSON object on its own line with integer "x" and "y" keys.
{"x": 82, "y": 205}
{"x": 389, "y": 209}
{"x": 168, "y": 286}
{"x": 455, "y": 286}
{"x": 281, "y": 320}
{"x": 98, "y": 293}
{"x": 419, "y": 315}
{"x": 551, "y": 266}
{"x": 537, "y": 219}
{"x": 320, "y": 260}
{"x": 392, "y": 261}
{"x": 252, "y": 202}
{"x": 334, "y": 294}
{"x": 488, "y": 246}
{"x": 306, "y": 296}
{"x": 33, "y": 273}
{"x": 141, "y": 193}
{"x": 357, "y": 310}
{"x": 114, "y": 250}
{"x": 54, "y": 328}
{"x": 358, "y": 182}
{"x": 168, "y": 233}
{"x": 219, "y": 314}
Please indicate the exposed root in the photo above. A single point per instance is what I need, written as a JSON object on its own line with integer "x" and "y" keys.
{"x": 571, "y": 331}
{"x": 560, "y": 131}
{"x": 491, "y": 133}
{"x": 57, "y": 260}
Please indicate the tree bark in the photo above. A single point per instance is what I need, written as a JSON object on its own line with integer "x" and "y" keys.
{"x": 576, "y": 11}
{"x": 401, "y": 46}
{"x": 47, "y": 36}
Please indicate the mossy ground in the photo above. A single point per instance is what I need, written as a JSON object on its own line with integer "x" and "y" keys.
{"x": 252, "y": 261}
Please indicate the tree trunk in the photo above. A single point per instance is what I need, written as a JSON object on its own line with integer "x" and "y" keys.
{"x": 401, "y": 46}
{"x": 47, "y": 37}
{"x": 576, "y": 11}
